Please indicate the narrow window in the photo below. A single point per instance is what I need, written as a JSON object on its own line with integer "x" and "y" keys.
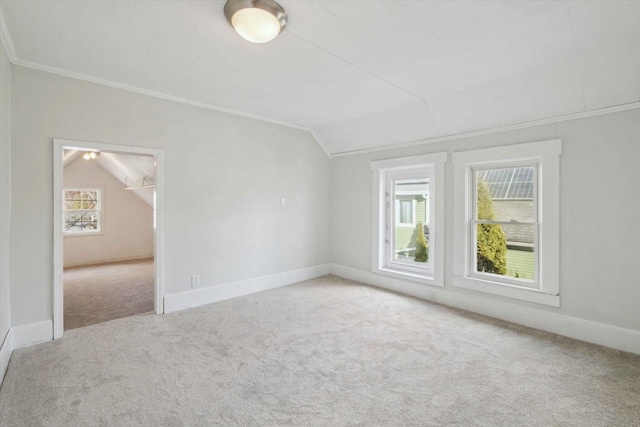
{"x": 408, "y": 234}
{"x": 407, "y": 240}
{"x": 82, "y": 211}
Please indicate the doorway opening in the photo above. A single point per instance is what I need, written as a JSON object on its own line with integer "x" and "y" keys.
{"x": 107, "y": 233}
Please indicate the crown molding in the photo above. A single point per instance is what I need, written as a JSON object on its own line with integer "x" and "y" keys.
{"x": 320, "y": 143}
{"x": 165, "y": 96}
{"x": 155, "y": 94}
{"x": 575, "y": 116}
{"x": 7, "y": 42}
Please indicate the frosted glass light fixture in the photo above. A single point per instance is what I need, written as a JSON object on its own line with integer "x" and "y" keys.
{"x": 258, "y": 21}
{"x": 90, "y": 155}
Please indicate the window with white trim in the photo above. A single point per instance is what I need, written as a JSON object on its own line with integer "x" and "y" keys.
{"x": 408, "y": 209}
{"x": 82, "y": 211}
{"x": 506, "y": 221}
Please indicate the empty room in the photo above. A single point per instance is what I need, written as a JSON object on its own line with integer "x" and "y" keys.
{"x": 319, "y": 213}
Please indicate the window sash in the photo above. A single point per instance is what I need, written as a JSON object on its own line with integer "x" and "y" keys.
{"x": 392, "y": 220}
{"x": 472, "y": 234}
{"x": 498, "y": 278}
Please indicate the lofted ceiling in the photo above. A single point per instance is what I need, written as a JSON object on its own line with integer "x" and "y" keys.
{"x": 358, "y": 74}
{"x": 129, "y": 169}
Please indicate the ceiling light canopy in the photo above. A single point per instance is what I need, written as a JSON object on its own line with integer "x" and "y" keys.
{"x": 258, "y": 21}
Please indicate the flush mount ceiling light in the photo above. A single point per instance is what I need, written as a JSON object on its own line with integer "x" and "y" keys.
{"x": 258, "y": 21}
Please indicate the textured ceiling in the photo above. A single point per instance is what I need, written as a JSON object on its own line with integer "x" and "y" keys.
{"x": 360, "y": 74}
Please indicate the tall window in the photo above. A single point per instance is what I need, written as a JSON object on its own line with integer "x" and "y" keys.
{"x": 406, "y": 243}
{"x": 82, "y": 211}
{"x": 506, "y": 221}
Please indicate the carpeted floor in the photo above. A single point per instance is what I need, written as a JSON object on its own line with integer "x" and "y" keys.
{"x": 98, "y": 293}
{"x": 327, "y": 352}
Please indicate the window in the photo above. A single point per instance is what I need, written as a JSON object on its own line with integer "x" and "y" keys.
{"x": 82, "y": 211}
{"x": 406, "y": 242}
{"x": 506, "y": 221}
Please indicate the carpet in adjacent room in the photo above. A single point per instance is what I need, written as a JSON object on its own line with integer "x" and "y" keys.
{"x": 102, "y": 292}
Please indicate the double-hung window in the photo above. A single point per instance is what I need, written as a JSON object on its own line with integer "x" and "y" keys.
{"x": 506, "y": 221}
{"x": 409, "y": 208}
{"x": 82, "y": 211}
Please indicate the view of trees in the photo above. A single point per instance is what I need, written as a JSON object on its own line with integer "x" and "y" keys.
{"x": 422, "y": 249}
{"x": 492, "y": 243}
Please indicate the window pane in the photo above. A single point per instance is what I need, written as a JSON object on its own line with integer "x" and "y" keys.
{"x": 89, "y": 199}
{"x": 506, "y": 250}
{"x": 73, "y": 204}
{"x": 72, "y": 195}
{"x": 411, "y": 231}
{"x": 505, "y": 194}
{"x": 80, "y": 222}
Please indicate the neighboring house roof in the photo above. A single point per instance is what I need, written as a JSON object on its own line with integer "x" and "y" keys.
{"x": 512, "y": 183}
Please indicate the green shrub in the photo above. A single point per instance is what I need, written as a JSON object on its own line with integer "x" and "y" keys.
{"x": 422, "y": 249}
{"x": 492, "y": 243}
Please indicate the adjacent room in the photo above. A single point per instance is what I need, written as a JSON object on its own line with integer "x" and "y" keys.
{"x": 108, "y": 239}
{"x": 319, "y": 213}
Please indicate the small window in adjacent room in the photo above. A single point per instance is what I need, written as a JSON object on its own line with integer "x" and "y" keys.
{"x": 506, "y": 221}
{"x": 408, "y": 209}
{"x": 82, "y": 211}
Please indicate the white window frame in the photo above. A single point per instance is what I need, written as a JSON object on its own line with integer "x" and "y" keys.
{"x": 545, "y": 156}
{"x": 384, "y": 215}
{"x": 98, "y": 210}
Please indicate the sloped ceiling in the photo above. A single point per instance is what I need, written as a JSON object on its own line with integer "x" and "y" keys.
{"x": 359, "y": 74}
{"x": 126, "y": 168}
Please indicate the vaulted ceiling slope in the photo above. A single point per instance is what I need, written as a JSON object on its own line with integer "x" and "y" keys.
{"x": 131, "y": 170}
{"x": 359, "y": 74}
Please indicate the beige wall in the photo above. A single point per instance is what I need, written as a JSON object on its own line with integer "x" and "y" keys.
{"x": 599, "y": 196}
{"x": 224, "y": 177}
{"x": 127, "y": 222}
{"x": 5, "y": 193}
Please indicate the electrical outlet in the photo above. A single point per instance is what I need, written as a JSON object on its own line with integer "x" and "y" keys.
{"x": 431, "y": 295}
{"x": 195, "y": 280}
{"x": 283, "y": 201}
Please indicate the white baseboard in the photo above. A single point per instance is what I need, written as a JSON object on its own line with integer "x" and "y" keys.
{"x": 6, "y": 348}
{"x": 573, "y": 327}
{"x": 32, "y": 333}
{"x": 211, "y": 294}
{"x": 107, "y": 261}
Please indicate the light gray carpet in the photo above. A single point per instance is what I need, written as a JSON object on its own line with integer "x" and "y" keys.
{"x": 98, "y": 293}
{"x": 327, "y": 352}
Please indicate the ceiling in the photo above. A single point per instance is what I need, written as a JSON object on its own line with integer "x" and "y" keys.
{"x": 357, "y": 74}
{"x": 129, "y": 169}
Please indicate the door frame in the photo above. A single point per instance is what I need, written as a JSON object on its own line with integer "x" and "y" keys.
{"x": 59, "y": 145}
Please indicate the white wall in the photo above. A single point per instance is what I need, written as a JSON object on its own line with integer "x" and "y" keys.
{"x": 5, "y": 194}
{"x": 127, "y": 221}
{"x": 599, "y": 212}
{"x": 224, "y": 176}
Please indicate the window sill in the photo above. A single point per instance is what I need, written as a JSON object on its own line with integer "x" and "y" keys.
{"x": 515, "y": 292}
{"x": 99, "y": 233}
{"x": 414, "y": 277}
